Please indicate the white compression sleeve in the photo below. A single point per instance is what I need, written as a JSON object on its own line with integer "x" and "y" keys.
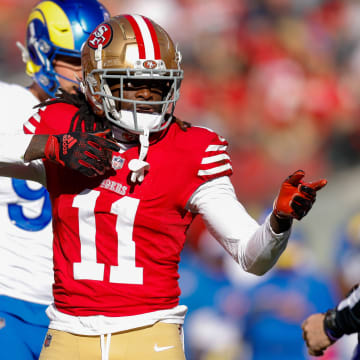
{"x": 256, "y": 247}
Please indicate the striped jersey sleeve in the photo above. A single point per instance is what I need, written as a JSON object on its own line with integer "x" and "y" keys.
{"x": 204, "y": 157}
{"x": 32, "y": 124}
{"x": 51, "y": 119}
{"x": 348, "y": 312}
{"x": 215, "y": 161}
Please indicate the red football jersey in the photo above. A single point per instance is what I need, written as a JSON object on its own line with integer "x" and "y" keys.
{"x": 117, "y": 244}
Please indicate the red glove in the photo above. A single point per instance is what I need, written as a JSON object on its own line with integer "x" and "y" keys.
{"x": 90, "y": 154}
{"x": 296, "y": 197}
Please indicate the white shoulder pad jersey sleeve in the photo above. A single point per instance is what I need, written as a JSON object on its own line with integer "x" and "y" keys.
{"x": 17, "y": 105}
{"x": 255, "y": 247}
{"x": 12, "y": 150}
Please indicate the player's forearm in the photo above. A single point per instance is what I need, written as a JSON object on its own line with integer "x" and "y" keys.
{"x": 255, "y": 247}
{"x": 36, "y": 148}
{"x": 12, "y": 164}
{"x": 323, "y": 329}
{"x": 347, "y": 319}
{"x": 261, "y": 252}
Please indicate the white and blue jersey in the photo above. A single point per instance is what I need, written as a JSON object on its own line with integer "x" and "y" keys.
{"x": 25, "y": 216}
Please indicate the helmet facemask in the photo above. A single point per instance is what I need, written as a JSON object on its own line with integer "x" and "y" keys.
{"x": 132, "y": 114}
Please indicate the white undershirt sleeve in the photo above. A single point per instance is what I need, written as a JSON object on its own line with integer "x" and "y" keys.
{"x": 255, "y": 247}
{"x": 12, "y": 150}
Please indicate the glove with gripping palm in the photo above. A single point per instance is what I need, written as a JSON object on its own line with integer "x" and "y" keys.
{"x": 90, "y": 154}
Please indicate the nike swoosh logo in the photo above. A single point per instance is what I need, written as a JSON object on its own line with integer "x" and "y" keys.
{"x": 162, "y": 348}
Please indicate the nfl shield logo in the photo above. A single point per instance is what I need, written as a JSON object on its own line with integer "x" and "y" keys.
{"x": 117, "y": 162}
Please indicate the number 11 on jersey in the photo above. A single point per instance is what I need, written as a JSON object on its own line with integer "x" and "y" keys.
{"x": 125, "y": 209}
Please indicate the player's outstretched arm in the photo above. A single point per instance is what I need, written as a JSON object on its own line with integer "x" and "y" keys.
{"x": 90, "y": 154}
{"x": 255, "y": 247}
{"x": 295, "y": 199}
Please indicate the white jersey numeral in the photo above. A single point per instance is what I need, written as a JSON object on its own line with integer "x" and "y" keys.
{"x": 126, "y": 271}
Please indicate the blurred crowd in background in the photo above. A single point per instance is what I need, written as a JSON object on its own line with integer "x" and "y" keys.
{"x": 280, "y": 80}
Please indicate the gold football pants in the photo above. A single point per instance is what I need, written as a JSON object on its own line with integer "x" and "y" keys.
{"x": 160, "y": 341}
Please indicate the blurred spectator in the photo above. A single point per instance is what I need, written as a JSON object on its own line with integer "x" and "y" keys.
{"x": 216, "y": 308}
{"x": 347, "y": 254}
{"x": 282, "y": 300}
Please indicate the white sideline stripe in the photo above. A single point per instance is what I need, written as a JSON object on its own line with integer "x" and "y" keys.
{"x": 145, "y": 32}
{"x": 216, "y": 147}
{"x": 215, "y": 158}
{"x": 215, "y": 170}
{"x": 30, "y": 127}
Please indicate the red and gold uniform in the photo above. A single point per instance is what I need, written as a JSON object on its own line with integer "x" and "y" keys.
{"x": 117, "y": 244}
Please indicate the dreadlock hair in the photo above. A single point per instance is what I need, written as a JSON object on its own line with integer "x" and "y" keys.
{"x": 84, "y": 119}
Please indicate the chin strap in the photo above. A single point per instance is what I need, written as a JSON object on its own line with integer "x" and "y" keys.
{"x": 139, "y": 166}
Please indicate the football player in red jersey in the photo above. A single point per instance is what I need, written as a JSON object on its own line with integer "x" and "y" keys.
{"x": 118, "y": 235}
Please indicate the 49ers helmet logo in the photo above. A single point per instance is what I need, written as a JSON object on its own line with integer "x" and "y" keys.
{"x": 149, "y": 64}
{"x": 101, "y": 35}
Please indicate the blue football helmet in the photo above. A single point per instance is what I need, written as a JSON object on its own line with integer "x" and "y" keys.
{"x": 58, "y": 28}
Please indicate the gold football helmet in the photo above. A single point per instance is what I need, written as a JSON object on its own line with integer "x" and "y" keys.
{"x": 129, "y": 48}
